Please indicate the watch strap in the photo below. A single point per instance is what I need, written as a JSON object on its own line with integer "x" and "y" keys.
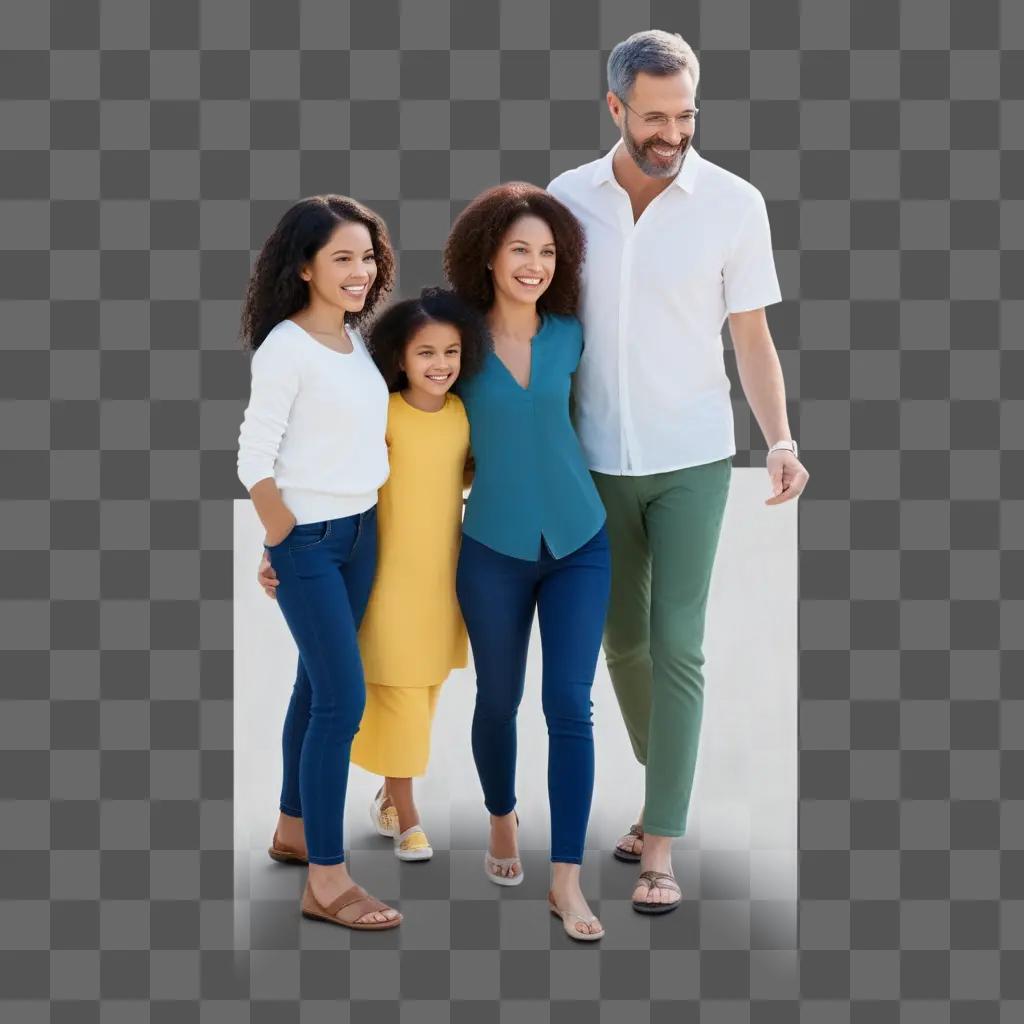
{"x": 788, "y": 445}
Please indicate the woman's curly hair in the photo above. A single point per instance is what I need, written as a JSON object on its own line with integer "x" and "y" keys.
{"x": 398, "y": 324}
{"x": 479, "y": 229}
{"x": 276, "y": 291}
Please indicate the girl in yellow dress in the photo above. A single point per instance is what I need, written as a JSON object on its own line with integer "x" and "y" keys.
{"x": 412, "y": 634}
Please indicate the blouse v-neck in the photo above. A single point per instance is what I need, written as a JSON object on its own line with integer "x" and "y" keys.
{"x": 531, "y": 479}
{"x": 530, "y": 376}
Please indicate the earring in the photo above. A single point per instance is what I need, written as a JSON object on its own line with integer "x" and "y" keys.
{"x": 489, "y": 267}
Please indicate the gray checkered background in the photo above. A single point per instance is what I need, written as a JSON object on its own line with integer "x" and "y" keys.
{"x": 147, "y": 150}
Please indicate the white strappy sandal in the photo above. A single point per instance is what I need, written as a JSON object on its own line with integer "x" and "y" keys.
{"x": 491, "y": 862}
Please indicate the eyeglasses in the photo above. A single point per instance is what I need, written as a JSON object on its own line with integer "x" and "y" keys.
{"x": 662, "y": 120}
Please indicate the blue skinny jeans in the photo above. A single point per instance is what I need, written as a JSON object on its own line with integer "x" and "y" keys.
{"x": 325, "y": 571}
{"x": 498, "y": 595}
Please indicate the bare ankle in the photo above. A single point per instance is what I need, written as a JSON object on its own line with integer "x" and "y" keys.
{"x": 329, "y": 876}
{"x": 289, "y": 825}
{"x": 400, "y": 796}
{"x": 564, "y": 874}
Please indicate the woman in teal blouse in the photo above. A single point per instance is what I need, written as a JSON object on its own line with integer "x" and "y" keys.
{"x": 533, "y": 535}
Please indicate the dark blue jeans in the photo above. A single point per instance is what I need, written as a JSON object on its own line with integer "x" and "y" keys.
{"x": 326, "y": 572}
{"x": 498, "y": 595}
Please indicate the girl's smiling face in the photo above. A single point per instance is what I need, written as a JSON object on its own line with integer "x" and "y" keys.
{"x": 524, "y": 263}
{"x": 343, "y": 271}
{"x": 432, "y": 359}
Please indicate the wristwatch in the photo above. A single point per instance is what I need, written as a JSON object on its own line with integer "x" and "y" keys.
{"x": 788, "y": 445}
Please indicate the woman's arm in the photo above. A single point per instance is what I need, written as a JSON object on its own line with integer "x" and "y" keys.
{"x": 275, "y": 383}
{"x": 274, "y": 514}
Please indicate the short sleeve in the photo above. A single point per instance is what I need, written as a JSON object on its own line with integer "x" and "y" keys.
{"x": 749, "y": 274}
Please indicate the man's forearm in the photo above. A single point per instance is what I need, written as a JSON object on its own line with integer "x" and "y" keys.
{"x": 760, "y": 373}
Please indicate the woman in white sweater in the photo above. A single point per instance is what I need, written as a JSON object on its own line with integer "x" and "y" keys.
{"x": 311, "y": 453}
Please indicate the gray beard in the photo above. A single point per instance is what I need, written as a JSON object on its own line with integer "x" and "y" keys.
{"x": 649, "y": 167}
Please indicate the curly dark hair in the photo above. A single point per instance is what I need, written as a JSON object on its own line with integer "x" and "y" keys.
{"x": 276, "y": 290}
{"x": 479, "y": 229}
{"x": 396, "y": 326}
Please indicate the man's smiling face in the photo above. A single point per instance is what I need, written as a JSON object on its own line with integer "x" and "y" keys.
{"x": 658, "y": 123}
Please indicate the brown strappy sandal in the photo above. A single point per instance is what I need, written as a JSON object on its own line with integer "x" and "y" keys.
{"x": 657, "y": 880}
{"x": 285, "y": 854}
{"x": 357, "y": 901}
{"x": 629, "y": 856}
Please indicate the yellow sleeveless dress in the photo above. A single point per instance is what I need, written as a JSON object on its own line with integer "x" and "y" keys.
{"x": 413, "y": 635}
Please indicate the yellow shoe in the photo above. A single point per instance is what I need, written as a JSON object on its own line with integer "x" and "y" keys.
{"x": 413, "y": 844}
{"x": 385, "y": 819}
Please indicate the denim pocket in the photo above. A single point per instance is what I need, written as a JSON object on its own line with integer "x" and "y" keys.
{"x": 308, "y": 535}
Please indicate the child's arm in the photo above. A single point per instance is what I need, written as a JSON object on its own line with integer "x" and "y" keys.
{"x": 468, "y": 472}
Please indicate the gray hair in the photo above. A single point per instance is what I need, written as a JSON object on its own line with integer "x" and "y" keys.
{"x": 653, "y": 51}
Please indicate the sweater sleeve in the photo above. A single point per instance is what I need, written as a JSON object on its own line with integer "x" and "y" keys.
{"x": 275, "y": 383}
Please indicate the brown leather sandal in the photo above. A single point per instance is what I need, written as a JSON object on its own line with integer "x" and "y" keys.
{"x": 629, "y": 856}
{"x": 285, "y": 854}
{"x": 356, "y": 901}
{"x": 657, "y": 880}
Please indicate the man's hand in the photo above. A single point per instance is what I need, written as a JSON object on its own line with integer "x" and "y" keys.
{"x": 266, "y": 577}
{"x": 787, "y": 475}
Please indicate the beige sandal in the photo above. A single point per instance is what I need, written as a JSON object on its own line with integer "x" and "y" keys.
{"x": 491, "y": 862}
{"x": 285, "y": 854}
{"x": 568, "y": 916}
{"x": 357, "y": 901}
{"x": 657, "y": 880}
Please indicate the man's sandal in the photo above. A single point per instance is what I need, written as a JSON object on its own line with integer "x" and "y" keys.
{"x": 657, "y": 880}
{"x": 285, "y": 854}
{"x": 569, "y": 920}
{"x": 356, "y": 902}
{"x": 629, "y": 856}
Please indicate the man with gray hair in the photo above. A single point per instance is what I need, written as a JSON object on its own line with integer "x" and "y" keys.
{"x": 675, "y": 244}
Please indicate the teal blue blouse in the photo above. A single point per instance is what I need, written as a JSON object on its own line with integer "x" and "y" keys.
{"x": 531, "y": 479}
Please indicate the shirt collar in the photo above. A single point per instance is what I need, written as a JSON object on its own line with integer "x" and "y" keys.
{"x": 686, "y": 179}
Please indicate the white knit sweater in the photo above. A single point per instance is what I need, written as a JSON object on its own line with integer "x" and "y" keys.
{"x": 315, "y": 423}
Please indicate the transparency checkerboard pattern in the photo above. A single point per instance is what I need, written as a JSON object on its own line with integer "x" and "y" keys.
{"x": 147, "y": 151}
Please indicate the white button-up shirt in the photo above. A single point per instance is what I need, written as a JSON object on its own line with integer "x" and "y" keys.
{"x": 651, "y": 391}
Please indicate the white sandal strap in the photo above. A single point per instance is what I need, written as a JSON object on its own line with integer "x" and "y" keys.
{"x": 504, "y": 862}
{"x": 579, "y": 917}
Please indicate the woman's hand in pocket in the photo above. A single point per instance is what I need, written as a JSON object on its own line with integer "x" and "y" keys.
{"x": 279, "y": 529}
{"x": 266, "y": 577}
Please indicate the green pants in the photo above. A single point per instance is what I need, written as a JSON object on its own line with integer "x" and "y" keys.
{"x": 664, "y": 532}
